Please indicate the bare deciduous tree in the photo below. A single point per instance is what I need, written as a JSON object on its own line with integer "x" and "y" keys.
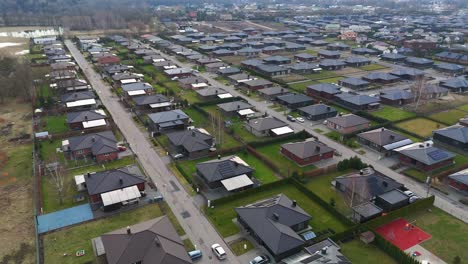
{"x": 57, "y": 175}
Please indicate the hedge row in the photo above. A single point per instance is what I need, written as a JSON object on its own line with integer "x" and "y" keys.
{"x": 420, "y": 204}
{"x": 184, "y": 174}
{"x": 219, "y": 101}
{"x": 302, "y": 135}
{"x": 264, "y": 159}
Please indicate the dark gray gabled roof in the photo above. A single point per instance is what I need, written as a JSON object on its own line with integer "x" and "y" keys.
{"x": 416, "y": 60}
{"x": 457, "y": 132}
{"x": 328, "y": 53}
{"x": 326, "y": 88}
{"x": 210, "y": 91}
{"x": 348, "y": 120}
{"x": 352, "y": 60}
{"x": 455, "y": 83}
{"x": 394, "y": 196}
{"x": 117, "y": 68}
{"x": 358, "y": 99}
{"x": 271, "y": 220}
{"x": 191, "y": 140}
{"x": 71, "y": 83}
{"x": 82, "y": 116}
{"x": 450, "y": 67}
{"x": 234, "y": 106}
{"x": 168, "y": 116}
{"x": 154, "y": 241}
{"x": 229, "y": 70}
{"x": 75, "y": 96}
{"x": 257, "y": 82}
{"x": 294, "y": 98}
{"x": 425, "y": 153}
{"x": 305, "y": 56}
{"x": 106, "y": 181}
{"x": 220, "y": 169}
{"x": 303, "y": 66}
{"x": 150, "y": 99}
{"x": 317, "y": 109}
{"x": 126, "y": 76}
{"x": 99, "y": 143}
{"x": 273, "y": 90}
{"x": 330, "y": 63}
{"x": 407, "y": 71}
{"x": 307, "y": 149}
{"x": 136, "y": 86}
{"x": 381, "y": 76}
{"x": 461, "y": 176}
{"x": 354, "y": 81}
{"x": 393, "y": 56}
{"x": 265, "y": 123}
{"x": 397, "y": 94}
{"x": 271, "y": 68}
{"x": 382, "y": 136}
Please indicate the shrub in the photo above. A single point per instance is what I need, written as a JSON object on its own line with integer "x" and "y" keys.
{"x": 351, "y": 163}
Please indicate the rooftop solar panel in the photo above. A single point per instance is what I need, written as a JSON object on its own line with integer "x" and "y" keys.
{"x": 437, "y": 154}
{"x": 308, "y": 235}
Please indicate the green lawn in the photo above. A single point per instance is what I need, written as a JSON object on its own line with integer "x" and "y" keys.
{"x": 199, "y": 119}
{"x": 322, "y": 75}
{"x": 341, "y": 109}
{"x": 322, "y": 187}
{"x": 69, "y": 240}
{"x": 449, "y": 117}
{"x": 359, "y": 253}
{"x": 420, "y": 126}
{"x": 262, "y": 172}
{"x": 50, "y": 196}
{"x": 287, "y": 166}
{"x": 301, "y": 86}
{"x": 55, "y": 124}
{"x": 392, "y": 113}
{"x": 416, "y": 174}
{"x": 331, "y": 80}
{"x": 372, "y": 67}
{"x": 309, "y": 51}
{"x": 334, "y": 135}
{"x": 221, "y": 216}
{"x": 241, "y": 247}
{"x": 47, "y": 150}
{"x": 19, "y": 164}
{"x": 448, "y": 233}
{"x": 464, "y": 107}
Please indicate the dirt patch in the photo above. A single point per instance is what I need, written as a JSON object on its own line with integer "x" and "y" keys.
{"x": 16, "y": 118}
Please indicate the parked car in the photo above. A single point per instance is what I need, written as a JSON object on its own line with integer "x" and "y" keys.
{"x": 122, "y": 148}
{"x": 177, "y": 156}
{"x": 409, "y": 193}
{"x": 218, "y": 251}
{"x": 291, "y": 118}
{"x": 195, "y": 254}
{"x": 300, "y": 120}
{"x": 263, "y": 259}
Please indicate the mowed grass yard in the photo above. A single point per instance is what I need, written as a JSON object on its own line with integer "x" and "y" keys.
{"x": 372, "y": 67}
{"x": 359, "y": 253}
{"x": 301, "y": 86}
{"x": 322, "y": 75}
{"x": 322, "y": 187}
{"x": 392, "y": 113}
{"x": 262, "y": 172}
{"x": 222, "y": 215}
{"x": 79, "y": 237}
{"x": 464, "y": 108}
{"x": 448, "y": 233}
{"x": 450, "y": 117}
{"x": 420, "y": 126}
{"x": 286, "y": 165}
{"x": 55, "y": 124}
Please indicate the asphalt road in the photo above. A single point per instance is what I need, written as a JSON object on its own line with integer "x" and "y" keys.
{"x": 452, "y": 207}
{"x": 197, "y": 227}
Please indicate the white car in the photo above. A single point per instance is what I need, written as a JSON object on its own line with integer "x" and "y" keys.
{"x": 218, "y": 251}
{"x": 300, "y": 119}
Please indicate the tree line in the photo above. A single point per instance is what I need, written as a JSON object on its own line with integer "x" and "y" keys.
{"x": 16, "y": 77}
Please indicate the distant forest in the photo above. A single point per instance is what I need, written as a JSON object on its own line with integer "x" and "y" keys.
{"x": 76, "y": 14}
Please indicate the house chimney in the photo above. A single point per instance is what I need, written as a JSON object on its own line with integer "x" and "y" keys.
{"x": 421, "y": 145}
{"x": 361, "y": 172}
{"x": 385, "y": 184}
{"x": 89, "y": 175}
{"x": 193, "y": 133}
{"x": 93, "y": 139}
{"x": 392, "y": 137}
{"x": 129, "y": 231}
{"x": 219, "y": 156}
{"x": 178, "y": 116}
{"x": 294, "y": 203}
{"x": 317, "y": 149}
{"x": 428, "y": 144}
{"x": 86, "y": 118}
{"x": 382, "y": 129}
{"x": 324, "y": 250}
{"x": 275, "y": 216}
{"x": 120, "y": 180}
{"x": 328, "y": 108}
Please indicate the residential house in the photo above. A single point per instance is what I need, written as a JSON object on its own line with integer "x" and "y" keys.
{"x": 228, "y": 71}
{"x": 178, "y": 72}
{"x": 361, "y": 187}
{"x": 317, "y": 112}
{"x": 305, "y": 57}
{"x": 60, "y": 66}
{"x": 267, "y": 126}
{"x": 234, "y": 108}
{"x": 455, "y": 136}
{"x": 79, "y": 100}
{"x": 396, "y": 97}
{"x": 323, "y": 90}
{"x": 193, "y": 82}
{"x": 358, "y": 101}
{"x": 424, "y": 156}
{"x": 153, "y": 103}
{"x": 383, "y": 140}
{"x": 214, "y": 67}
{"x": 74, "y": 85}
{"x": 62, "y": 75}
{"x": 193, "y": 143}
{"x": 126, "y": 78}
{"x": 256, "y": 84}
{"x": 354, "y": 83}
{"x": 338, "y": 46}
{"x": 450, "y": 68}
{"x": 329, "y": 54}
{"x": 241, "y": 78}
{"x": 459, "y": 181}
{"x": 294, "y": 100}
{"x": 419, "y": 62}
{"x": 272, "y": 70}
{"x": 117, "y": 68}
{"x": 271, "y": 93}
{"x": 452, "y": 57}
{"x": 86, "y": 119}
{"x": 393, "y": 57}
{"x": 137, "y": 88}
{"x": 248, "y": 52}
{"x": 349, "y": 123}
{"x": 433, "y": 91}
{"x": 215, "y": 173}
{"x": 381, "y": 78}
{"x": 277, "y": 60}
{"x": 391, "y": 200}
{"x": 166, "y": 121}
{"x": 332, "y": 65}
{"x": 274, "y": 223}
{"x": 108, "y": 60}
{"x": 100, "y": 146}
{"x": 357, "y": 61}
{"x": 155, "y": 241}
{"x": 364, "y": 51}
{"x": 408, "y": 73}
{"x": 304, "y": 68}
{"x": 456, "y": 85}
{"x": 212, "y": 93}
{"x": 307, "y": 152}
